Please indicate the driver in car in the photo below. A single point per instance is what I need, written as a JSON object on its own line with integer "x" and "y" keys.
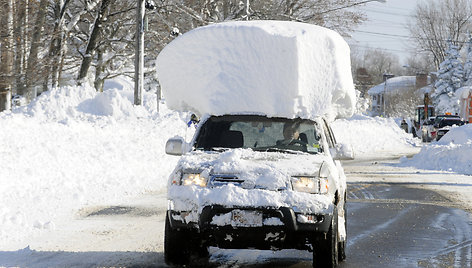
{"x": 291, "y": 135}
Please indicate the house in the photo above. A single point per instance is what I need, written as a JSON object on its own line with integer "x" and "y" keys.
{"x": 465, "y": 102}
{"x": 393, "y": 85}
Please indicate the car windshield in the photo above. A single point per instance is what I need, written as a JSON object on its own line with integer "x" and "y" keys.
{"x": 450, "y": 122}
{"x": 259, "y": 133}
{"x": 439, "y": 118}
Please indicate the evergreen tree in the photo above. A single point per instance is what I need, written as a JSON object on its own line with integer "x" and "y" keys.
{"x": 468, "y": 63}
{"x": 450, "y": 78}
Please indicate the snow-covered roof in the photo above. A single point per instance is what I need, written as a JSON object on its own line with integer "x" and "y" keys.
{"x": 394, "y": 84}
{"x": 276, "y": 68}
{"x": 426, "y": 89}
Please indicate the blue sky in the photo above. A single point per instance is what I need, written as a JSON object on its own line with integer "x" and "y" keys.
{"x": 385, "y": 27}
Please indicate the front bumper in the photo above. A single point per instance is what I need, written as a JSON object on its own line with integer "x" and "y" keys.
{"x": 291, "y": 229}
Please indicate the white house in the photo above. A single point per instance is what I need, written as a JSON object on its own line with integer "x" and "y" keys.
{"x": 465, "y": 100}
{"x": 393, "y": 85}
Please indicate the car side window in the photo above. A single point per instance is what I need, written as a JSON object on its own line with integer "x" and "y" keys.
{"x": 329, "y": 135}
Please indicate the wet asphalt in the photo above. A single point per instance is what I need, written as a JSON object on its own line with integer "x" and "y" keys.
{"x": 388, "y": 225}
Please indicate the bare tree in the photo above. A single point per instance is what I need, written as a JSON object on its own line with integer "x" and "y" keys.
{"x": 93, "y": 40}
{"x": 33, "y": 68}
{"x": 376, "y": 63}
{"x": 56, "y": 47}
{"x": 436, "y": 21}
{"x": 333, "y": 14}
{"x": 20, "y": 35}
{"x": 403, "y": 102}
{"x": 6, "y": 53}
{"x": 419, "y": 63}
{"x": 55, "y": 38}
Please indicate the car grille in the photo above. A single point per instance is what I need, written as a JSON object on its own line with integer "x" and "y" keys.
{"x": 220, "y": 180}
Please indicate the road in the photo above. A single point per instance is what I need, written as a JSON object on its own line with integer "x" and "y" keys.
{"x": 397, "y": 217}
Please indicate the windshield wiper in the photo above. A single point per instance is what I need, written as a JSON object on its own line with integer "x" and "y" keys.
{"x": 219, "y": 149}
{"x": 278, "y": 150}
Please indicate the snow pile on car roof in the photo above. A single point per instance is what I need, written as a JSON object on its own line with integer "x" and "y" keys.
{"x": 276, "y": 68}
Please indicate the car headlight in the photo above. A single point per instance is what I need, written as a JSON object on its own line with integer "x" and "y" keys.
{"x": 311, "y": 185}
{"x": 193, "y": 179}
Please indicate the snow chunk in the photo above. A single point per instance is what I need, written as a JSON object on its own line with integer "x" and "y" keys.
{"x": 276, "y": 68}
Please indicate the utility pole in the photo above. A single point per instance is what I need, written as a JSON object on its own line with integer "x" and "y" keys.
{"x": 247, "y": 9}
{"x": 139, "y": 55}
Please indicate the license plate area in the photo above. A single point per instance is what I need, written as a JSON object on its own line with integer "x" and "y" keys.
{"x": 246, "y": 218}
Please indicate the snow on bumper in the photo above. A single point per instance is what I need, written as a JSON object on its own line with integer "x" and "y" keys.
{"x": 194, "y": 198}
{"x": 192, "y": 205}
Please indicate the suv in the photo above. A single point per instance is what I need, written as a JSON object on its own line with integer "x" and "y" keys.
{"x": 242, "y": 183}
{"x": 445, "y": 124}
{"x": 431, "y": 127}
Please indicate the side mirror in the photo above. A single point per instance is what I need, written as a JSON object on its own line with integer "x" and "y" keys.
{"x": 175, "y": 146}
{"x": 342, "y": 151}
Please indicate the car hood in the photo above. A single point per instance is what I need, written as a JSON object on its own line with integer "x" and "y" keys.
{"x": 262, "y": 170}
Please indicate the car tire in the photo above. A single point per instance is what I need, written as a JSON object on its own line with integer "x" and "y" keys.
{"x": 325, "y": 252}
{"x": 342, "y": 251}
{"x": 183, "y": 247}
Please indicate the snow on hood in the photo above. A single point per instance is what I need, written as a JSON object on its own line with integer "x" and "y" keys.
{"x": 259, "y": 169}
{"x": 276, "y": 68}
{"x": 264, "y": 174}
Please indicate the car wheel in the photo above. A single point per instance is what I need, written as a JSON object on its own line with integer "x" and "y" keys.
{"x": 183, "y": 247}
{"x": 325, "y": 253}
{"x": 342, "y": 251}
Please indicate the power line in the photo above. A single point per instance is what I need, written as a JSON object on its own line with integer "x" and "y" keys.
{"x": 384, "y": 34}
{"x": 386, "y": 24}
{"x": 408, "y": 37}
{"x": 381, "y": 5}
{"x": 388, "y": 13}
{"x": 388, "y": 21}
{"x": 386, "y": 49}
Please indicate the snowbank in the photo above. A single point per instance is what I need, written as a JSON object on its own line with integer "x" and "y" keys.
{"x": 277, "y": 68}
{"x": 377, "y": 136}
{"x": 452, "y": 153}
{"x": 73, "y": 147}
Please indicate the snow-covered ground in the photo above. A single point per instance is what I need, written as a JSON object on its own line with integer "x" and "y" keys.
{"x": 453, "y": 153}
{"x": 375, "y": 137}
{"x": 73, "y": 147}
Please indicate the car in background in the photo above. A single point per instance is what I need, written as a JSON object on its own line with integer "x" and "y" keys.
{"x": 445, "y": 125}
{"x": 427, "y": 129}
{"x": 430, "y": 128}
{"x": 18, "y": 100}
